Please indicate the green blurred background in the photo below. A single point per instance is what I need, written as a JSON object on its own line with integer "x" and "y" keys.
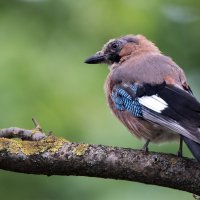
{"x": 43, "y": 44}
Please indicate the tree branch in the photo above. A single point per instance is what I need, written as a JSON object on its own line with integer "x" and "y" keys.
{"x": 57, "y": 156}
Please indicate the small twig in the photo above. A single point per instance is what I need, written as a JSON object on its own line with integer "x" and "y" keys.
{"x": 15, "y": 132}
{"x": 37, "y": 125}
{"x": 50, "y": 133}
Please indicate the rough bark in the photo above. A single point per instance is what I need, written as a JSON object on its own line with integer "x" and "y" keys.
{"x": 57, "y": 156}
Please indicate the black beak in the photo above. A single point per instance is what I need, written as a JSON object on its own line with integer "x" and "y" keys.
{"x": 96, "y": 59}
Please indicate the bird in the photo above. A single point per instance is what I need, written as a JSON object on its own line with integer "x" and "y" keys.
{"x": 149, "y": 93}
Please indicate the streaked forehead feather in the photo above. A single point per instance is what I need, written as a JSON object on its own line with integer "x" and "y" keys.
{"x": 109, "y": 42}
{"x": 127, "y": 38}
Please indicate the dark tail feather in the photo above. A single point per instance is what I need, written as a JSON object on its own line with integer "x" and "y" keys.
{"x": 193, "y": 146}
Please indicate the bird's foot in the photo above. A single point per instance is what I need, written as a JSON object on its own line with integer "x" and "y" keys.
{"x": 179, "y": 153}
{"x": 145, "y": 147}
{"x": 180, "y": 150}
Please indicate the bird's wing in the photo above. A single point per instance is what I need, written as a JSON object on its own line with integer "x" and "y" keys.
{"x": 163, "y": 104}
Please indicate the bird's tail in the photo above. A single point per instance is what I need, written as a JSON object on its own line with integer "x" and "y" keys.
{"x": 193, "y": 146}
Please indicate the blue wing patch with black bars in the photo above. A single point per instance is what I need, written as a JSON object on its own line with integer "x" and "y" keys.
{"x": 123, "y": 101}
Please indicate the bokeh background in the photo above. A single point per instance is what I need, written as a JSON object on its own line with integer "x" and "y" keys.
{"x": 43, "y": 44}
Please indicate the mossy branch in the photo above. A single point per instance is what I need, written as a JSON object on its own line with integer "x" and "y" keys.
{"x": 57, "y": 156}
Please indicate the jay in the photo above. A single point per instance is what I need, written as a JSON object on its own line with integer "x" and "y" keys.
{"x": 148, "y": 92}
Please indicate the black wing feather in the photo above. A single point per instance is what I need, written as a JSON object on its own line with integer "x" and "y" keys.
{"x": 183, "y": 108}
{"x": 182, "y": 114}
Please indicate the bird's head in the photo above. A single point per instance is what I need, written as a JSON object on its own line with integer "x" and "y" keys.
{"x": 115, "y": 50}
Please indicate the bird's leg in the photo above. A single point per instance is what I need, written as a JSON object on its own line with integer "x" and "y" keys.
{"x": 145, "y": 147}
{"x": 180, "y": 150}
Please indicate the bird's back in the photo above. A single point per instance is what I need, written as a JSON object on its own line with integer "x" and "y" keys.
{"x": 149, "y": 68}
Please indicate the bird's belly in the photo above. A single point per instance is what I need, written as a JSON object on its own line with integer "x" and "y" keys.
{"x": 145, "y": 130}
{"x": 139, "y": 127}
{"x": 161, "y": 134}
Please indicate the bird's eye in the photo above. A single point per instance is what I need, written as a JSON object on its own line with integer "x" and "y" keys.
{"x": 115, "y": 45}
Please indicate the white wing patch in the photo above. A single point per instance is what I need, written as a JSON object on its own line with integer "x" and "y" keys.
{"x": 153, "y": 102}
